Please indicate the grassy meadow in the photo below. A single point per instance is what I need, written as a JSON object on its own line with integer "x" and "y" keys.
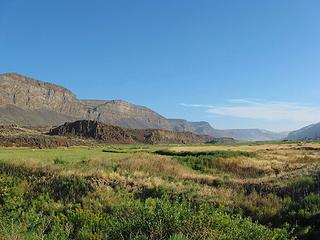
{"x": 176, "y": 192}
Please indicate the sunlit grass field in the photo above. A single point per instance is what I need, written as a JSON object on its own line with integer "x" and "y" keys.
{"x": 137, "y": 191}
{"x": 68, "y": 154}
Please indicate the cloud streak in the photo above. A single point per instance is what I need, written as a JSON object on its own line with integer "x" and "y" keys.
{"x": 264, "y": 110}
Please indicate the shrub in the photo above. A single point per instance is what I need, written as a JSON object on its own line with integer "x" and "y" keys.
{"x": 70, "y": 188}
{"x": 217, "y": 154}
{"x": 162, "y": 219}
{"x": 58, "y": 160}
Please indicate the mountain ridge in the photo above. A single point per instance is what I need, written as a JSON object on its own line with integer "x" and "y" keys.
{"x": 27, "y": 101}
{"x": 310, "y": 132}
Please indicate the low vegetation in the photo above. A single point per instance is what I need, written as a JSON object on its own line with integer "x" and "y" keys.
{"x": 264, "y": 191}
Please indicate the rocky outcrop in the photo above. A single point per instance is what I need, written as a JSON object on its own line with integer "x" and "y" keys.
{"x": 95, "y": 130}
{"x": 14, "y": 136}
{"x": 158, "y": 136}
{"x": 117, "y": 135}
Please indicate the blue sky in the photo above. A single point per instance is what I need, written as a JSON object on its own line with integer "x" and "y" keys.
{"x": 235, "y": 64}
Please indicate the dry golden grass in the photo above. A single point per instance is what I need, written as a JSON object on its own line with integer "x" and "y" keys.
{"x": 271, "y": 159}
{"x": 154, "y": 164}
{"x": 147, "y": 170}
{"x": 247, "y": 148}
{"x": 244, "y": 167}
{"x": 226, "y": 184}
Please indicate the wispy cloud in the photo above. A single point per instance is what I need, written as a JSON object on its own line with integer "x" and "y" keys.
{"x": 264, "y": 110}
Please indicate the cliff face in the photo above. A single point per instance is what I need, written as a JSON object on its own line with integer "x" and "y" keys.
{"x": 31, "y": 94}
{"x": 124, "y": 114}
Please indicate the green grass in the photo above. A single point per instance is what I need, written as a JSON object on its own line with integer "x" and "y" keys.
{"x": 67, "y": 154}
{"x": 70, "y": 209}
{"x": 203, "y": 161}
{"x": 150, "y": 192}
{"x": 75, "y": 159}
{"x": 73, "y": 153}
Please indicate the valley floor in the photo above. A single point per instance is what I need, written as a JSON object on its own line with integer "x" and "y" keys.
{"x": 241, "y": 191}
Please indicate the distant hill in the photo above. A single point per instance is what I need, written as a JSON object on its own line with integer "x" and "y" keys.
{"x": 28, "y": 102}
{"x": 198, "y": 127}
{"x": 311, "y": 132}
{"x": 239, "y": 134}
{"x": 250, "y": 134}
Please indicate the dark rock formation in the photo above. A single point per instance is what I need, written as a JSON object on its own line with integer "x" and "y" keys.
{"x": 113, "y": 135}
{"x": 14, "y": 136}
{"x": 95, "y": 130}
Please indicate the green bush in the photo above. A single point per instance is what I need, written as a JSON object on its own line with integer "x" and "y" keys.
{"x": 58, "y": 160}
{"x": 202, "y": 163}
{"x": 70, "y": 188}
{"x": 217, "y": 154}
{"x": 70, "y": 208}
{"x": 162, "y": 219}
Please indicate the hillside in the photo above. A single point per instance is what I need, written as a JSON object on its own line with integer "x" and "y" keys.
{"x": 30, "y": 94}
{"x": 11, "y": 114}
{"x": 124, "y": 114}
{"x": 309, "y": 132}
